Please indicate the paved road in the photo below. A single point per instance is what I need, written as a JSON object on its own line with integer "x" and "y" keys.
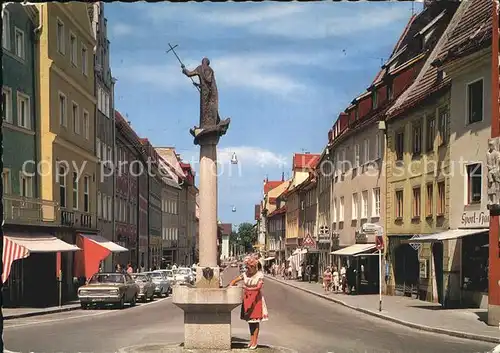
{"x": 297, "y": 320}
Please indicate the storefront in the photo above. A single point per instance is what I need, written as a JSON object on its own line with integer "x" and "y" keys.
{"x": 34, "y": 269}
{"x": 362, "y": 265}
{"x": 324, "y": 248}
{"x": 453, "y": 267}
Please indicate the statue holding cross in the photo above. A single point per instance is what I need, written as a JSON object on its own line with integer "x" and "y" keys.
{"x": 210, "y": 121}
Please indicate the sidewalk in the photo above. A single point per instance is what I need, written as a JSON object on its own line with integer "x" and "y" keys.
{"x": 17, "y": 313}
{"x": 463, "y": 323}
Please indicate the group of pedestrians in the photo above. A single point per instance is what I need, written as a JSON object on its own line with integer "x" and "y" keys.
{"x": 343, "y": 281}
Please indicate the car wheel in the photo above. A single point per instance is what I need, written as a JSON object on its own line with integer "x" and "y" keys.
{"x": 145, "y": 298}
{"x": 133, "y": 302}
{"x": 122, "y": 302}
{"x": 152, "y": 297}
{"x": 84, "y": 306}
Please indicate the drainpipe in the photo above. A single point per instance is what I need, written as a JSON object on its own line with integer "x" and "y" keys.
{"x": 36, "y": 84}
{"x": 113, "y": 132}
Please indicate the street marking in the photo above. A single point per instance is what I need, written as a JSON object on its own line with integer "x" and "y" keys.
{"x": 82, "y": 316}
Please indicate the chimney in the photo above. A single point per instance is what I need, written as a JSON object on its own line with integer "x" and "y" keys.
{"x": 282, "y": 176}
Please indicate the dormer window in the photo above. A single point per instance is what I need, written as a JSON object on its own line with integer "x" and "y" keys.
{"x": 356, "y": 113}
{"x": 374, "y": 99}
{"x": 390, "y": 92}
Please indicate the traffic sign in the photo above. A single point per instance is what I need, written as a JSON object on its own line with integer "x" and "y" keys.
{"x": 415, "y": 246}
{"x": 379, "y": 241}
{"x": 309, "y": 241}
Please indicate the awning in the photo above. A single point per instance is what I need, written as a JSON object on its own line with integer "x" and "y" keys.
{"x": 447, "y": 235}
{"x": 269, "y": 258}
{"x": 105, "y": 243}
{"x": 42, "y": 243}
{"x": 16, "y": 247}
{"x": 354, "y": 249}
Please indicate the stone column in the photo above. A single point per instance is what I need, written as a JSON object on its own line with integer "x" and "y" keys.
{"x": 208, "y": 202}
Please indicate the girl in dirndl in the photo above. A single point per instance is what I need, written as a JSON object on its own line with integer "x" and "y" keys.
{"x": 253, "y": 308}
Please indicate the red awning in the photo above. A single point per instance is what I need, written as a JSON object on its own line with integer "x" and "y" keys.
{"x": 11, "y": 253}
{"x": 95, "y": 249}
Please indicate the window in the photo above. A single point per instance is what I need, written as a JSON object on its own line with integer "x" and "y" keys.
{"x": 356, "y": 155}
{"x": 106, "y": 106}
{"x": 355, "y": 206}
{"x": 441, "y": 198}
{"x": 374, "y": 99}
{"x": 6, "y": 181}
{"x": 19, "y": 44}
{"x": 25, "y": 185}
{"x": 366, "y": 150}
{"x": 62, "y": 110}
{"x": 61, "y": 47}
{"x": 74, "y": 49}
{"x": 416, "y": 202}
{"x": 104, "y": 207}
{"x": 85, "y": 60}
{"x": 475, "y": 101}
{"x": 364, "y": 205}
{"x": 23, "y": 111}
{"x": 430, "y": 200}
{"x": 86, "y": 125}
{"x": 400, "y": 142}
{"x": 431, "y": 133}
{"x": 399, "y": 204}
{"x": 474, "y": 183}
{"x": 99, "y": 205}
{"x": 75, "y": 111}
{"x": 104, "y": 153}
{"x": 110, "y": 153}
{"x": 417, "y": 139}
{"x": 443, "y": 125}
{"x": 75, "y": 191}
{"x": 6, "y": 29}
{"x": 110, "y": 208}
{"x": 341, "y": 209}
{"x": 376, "y": 202}
{"x": 334, "y": 213}
{"x": 62, "y": 186}
{"x": 378, "y": 146}
{"x": 86, "y": 192}
{"x": 98, "y": 148}
{"x": 7, "y": 104}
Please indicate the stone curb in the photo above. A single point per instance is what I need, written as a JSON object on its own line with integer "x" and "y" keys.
{"x": 439, "y": 330}
{"x": 41, "y": 313}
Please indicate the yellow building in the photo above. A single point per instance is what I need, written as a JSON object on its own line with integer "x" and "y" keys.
{"x": 66, "y": 102}
{"x": 418, "y": 182}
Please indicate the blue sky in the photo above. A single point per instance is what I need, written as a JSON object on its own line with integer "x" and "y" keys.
{"x": 284, "y": 72}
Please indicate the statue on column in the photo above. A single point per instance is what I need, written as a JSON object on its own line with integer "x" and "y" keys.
{"x": 210, "y": 120}
{"x": 493, "y": 165}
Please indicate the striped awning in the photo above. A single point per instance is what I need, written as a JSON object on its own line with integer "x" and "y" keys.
{"x": 16, "y": 247}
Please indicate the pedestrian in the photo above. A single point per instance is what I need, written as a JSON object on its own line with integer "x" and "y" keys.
{"x": 308, "y": 273}
{"x": 130, "y": 268}
{"x": 327, "y": 279}
{"x": 253, "y": 308}
{"x": 343, "y": 278}
{"x": 118, "y": 268}
{"x": 336, "y": 281}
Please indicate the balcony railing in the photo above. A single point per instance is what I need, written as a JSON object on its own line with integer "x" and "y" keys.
{"x": 78, "y": 219}
{"x": 29, "y": 211}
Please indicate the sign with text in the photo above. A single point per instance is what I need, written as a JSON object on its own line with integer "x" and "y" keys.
{"x": 475, "y": 219}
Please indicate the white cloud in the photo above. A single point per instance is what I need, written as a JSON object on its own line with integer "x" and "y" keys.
{"x": 249, "y": 157}
{"x": 122, "y": 29}
{"x": 294, "y": 21}
{"x": 258, "y": 71}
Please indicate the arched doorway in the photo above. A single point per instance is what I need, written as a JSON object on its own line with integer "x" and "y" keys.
{"x": 406, "y": 270}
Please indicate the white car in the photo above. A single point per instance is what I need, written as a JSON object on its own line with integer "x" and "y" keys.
{"x": 184, "y": 275}
{"x": 170, "y": 277}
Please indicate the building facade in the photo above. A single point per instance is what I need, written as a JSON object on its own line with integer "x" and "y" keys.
{"x": 470, "y": 74}
{"x": 67, "y": 123}
{"x": 418, "y": 166}
{"x": 126, "y": 198}
{"x": 324, "y": 172}
{"x": 105, "y": 125}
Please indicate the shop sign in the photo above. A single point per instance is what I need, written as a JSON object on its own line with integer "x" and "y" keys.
{"x": 475, "y": 219}
{"x": 324, "y": 239}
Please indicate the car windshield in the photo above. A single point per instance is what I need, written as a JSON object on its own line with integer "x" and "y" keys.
{"x": 140, "y": 278}
{"x": 107, "y": 278}
{"x": 183, "y": 271}
{"x": 156, "y": 275}
{"x": 169, "y": 273}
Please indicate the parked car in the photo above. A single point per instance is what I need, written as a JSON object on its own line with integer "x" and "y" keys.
{"x": 146, "y": 286}
{"x": 109, "y": 288}
{"x": 184, "y": 275}
{"x": 162, "y": 285}
{"x": 170, "y": 278}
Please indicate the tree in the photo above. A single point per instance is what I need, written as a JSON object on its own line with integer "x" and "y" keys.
{"x": 247, "y": 236}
